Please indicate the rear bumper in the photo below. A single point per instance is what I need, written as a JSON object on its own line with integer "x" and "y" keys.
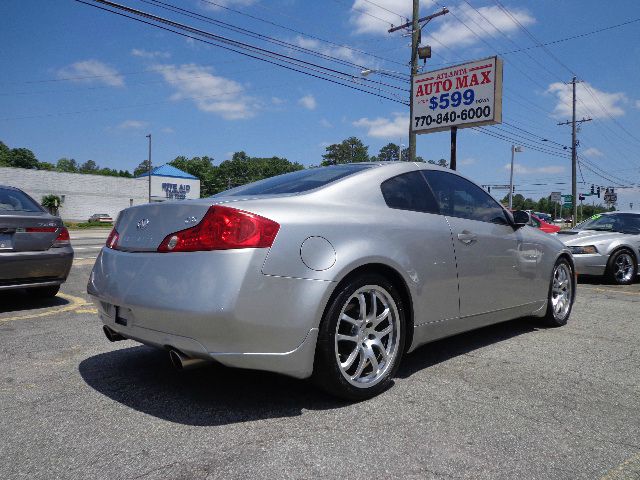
{"x": 35, "y": 269}
{"x": 591, "y": 264}
{"x": 212, "y": 305}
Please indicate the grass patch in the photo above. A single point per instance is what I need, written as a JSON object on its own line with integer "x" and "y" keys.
{"x": 87, "y": 225}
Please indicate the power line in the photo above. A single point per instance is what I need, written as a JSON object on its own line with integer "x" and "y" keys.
{"x": 305, "y": 34}
{"x": 256, "y": 52}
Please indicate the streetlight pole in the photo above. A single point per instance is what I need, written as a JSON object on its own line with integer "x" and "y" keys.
{"x": 514, "y": 149}
{"x": 149, "y": 165}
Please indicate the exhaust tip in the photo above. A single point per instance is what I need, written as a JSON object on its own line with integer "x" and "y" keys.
{"x": 175, "y": 359}
{"x": 111, "y": 335}
{"x": 181, "y": 362}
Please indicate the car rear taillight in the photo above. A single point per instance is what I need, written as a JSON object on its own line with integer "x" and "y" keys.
{"x": 63, "y": 239}
{"x": 112, "y": 239}
{"x": 223, "y": 228}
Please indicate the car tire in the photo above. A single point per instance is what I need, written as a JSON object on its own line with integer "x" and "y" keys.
{"x": 45, "y": 292}
{"x": 361, "y": 339}
{"x": 561, "y": 294}
{"x": 622, "y": 267}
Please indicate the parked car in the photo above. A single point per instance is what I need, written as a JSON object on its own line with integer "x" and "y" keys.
{"x": 100, "y": 218}
{"x": 607, "y": 244}
{"x": 35, "y": 250}
{"x": 545, "y": 217}
{"x": 537, "y": 222}
{"x": 331, "y": 273}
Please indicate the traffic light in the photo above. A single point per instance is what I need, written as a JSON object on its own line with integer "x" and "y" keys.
{"x": 598, "y": 191}
{"x": 489, "y": 188}
{"x": 592, "y": 188}
{"x": 514, "y": 189}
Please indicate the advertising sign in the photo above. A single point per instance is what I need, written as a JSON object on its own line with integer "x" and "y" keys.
{"x": 467, "y": 95}
{"x": 556, "y": 197}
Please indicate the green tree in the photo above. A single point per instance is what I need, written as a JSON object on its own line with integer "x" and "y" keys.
{"x": 89, "y": 167}
{"x": 389, "y": 153}
{"x": 4, "y": 155}
{"x": 67, "y": 165}
{"x": 405, "y": 156}
{"x": 351, "y": 150}
{"x": 46, "y": 166}
{"x": 441, "y": 163}
{"x": 143, "y": 167}
{"x": 22, "y": 158}
{"x": 242, "y": 169}
{"x": 201, "y": 167}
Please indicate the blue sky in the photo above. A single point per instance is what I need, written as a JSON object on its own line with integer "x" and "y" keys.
{"x": 78, "y": 82}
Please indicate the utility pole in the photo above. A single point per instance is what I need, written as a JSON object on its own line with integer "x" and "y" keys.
{"x": 415, "y": 40}
{"x": 514, "y": 149}
{"x": 574, "y": 153}
{"x": 149, "y": 162}
{"x": 416, "y": 30}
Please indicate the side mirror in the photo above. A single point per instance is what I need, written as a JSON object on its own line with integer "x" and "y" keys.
{"x": 520, "y": 218}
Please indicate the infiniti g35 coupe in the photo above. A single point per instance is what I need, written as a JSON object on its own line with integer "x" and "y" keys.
{"x": 35, "y": 250}
{"x": 331, "y": 273}
{"x": 607, "y": 244}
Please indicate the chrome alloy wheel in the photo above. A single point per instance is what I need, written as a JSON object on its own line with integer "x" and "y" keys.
{"x": 623, "y": 268}
{"x": 366, "y": 337}
{"x": 561, "y": 291}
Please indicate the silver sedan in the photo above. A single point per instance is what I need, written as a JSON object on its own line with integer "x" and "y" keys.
{"x": 606, "y": 244}
{"x": 35, "y": 249}
{"x": 331, "y": 273}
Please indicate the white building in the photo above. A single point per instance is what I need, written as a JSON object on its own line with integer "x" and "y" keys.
{"x": 83, "y": 195}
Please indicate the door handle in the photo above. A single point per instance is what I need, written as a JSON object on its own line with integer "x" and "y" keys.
{"x": 467, "y": 237}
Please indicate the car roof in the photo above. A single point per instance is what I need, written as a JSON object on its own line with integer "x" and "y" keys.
{"x": 8, "y": 187}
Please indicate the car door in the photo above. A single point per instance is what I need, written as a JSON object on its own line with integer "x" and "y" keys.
{"x": 485, "y": 243}
{"x": 424, "y": 238}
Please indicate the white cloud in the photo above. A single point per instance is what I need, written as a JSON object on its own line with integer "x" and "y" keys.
{"x": 453, "y": 33}
{"x": 326, "y": 123}
{"x": 138, "y": 52}
{"x": 277, "y": 100}
{"x": 467, "y": 161}
{"x": 227, "y": 3}
{"x": 335, "y": 51}
{"x": 638, "y": 104}
{"x": 449, "y": 30}
{"x": 385, "y": 127}
{"x": 209, "y": 92}
{"x": 586, "y": 105}
{"x": 308, "y": 102}
{"x": 132, "y": 125}
{"x": 363, "y": 15}
{"x": 167, "y": 130}
{"x": 92, "y": 71}
{"x": 524, "y": 170}
{"x": 592, "y": 152}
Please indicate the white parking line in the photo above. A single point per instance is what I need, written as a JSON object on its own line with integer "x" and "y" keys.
{"x": 93, "y": 247}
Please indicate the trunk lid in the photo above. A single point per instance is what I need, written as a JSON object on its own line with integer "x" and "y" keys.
{"x": 142, "y": 228}
{"x": 15, "y": 234}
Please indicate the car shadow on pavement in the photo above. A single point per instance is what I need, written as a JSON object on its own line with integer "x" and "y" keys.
{"x": 142, "y": 378}
{"x": 450, "y": 347}
{"x": 20, "y": 300}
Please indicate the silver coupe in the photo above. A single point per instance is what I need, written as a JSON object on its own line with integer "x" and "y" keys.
{"x": 331, "y": 273}
{"x": 606, "y": 244}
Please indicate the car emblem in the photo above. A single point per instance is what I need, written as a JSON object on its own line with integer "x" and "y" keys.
{"x": 142, "y": 224}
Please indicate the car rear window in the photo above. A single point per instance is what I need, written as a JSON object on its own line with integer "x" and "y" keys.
{"x": 16, "y": 201}
{"x": 297, "y": 182}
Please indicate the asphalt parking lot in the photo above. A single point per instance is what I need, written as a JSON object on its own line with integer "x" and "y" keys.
{"x": 509, "y": 401}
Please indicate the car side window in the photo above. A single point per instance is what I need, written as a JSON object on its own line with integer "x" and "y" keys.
{"x": 458, "y": 197}
{"x": 409, "y": 191}
{"x": 534, "y": 222}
